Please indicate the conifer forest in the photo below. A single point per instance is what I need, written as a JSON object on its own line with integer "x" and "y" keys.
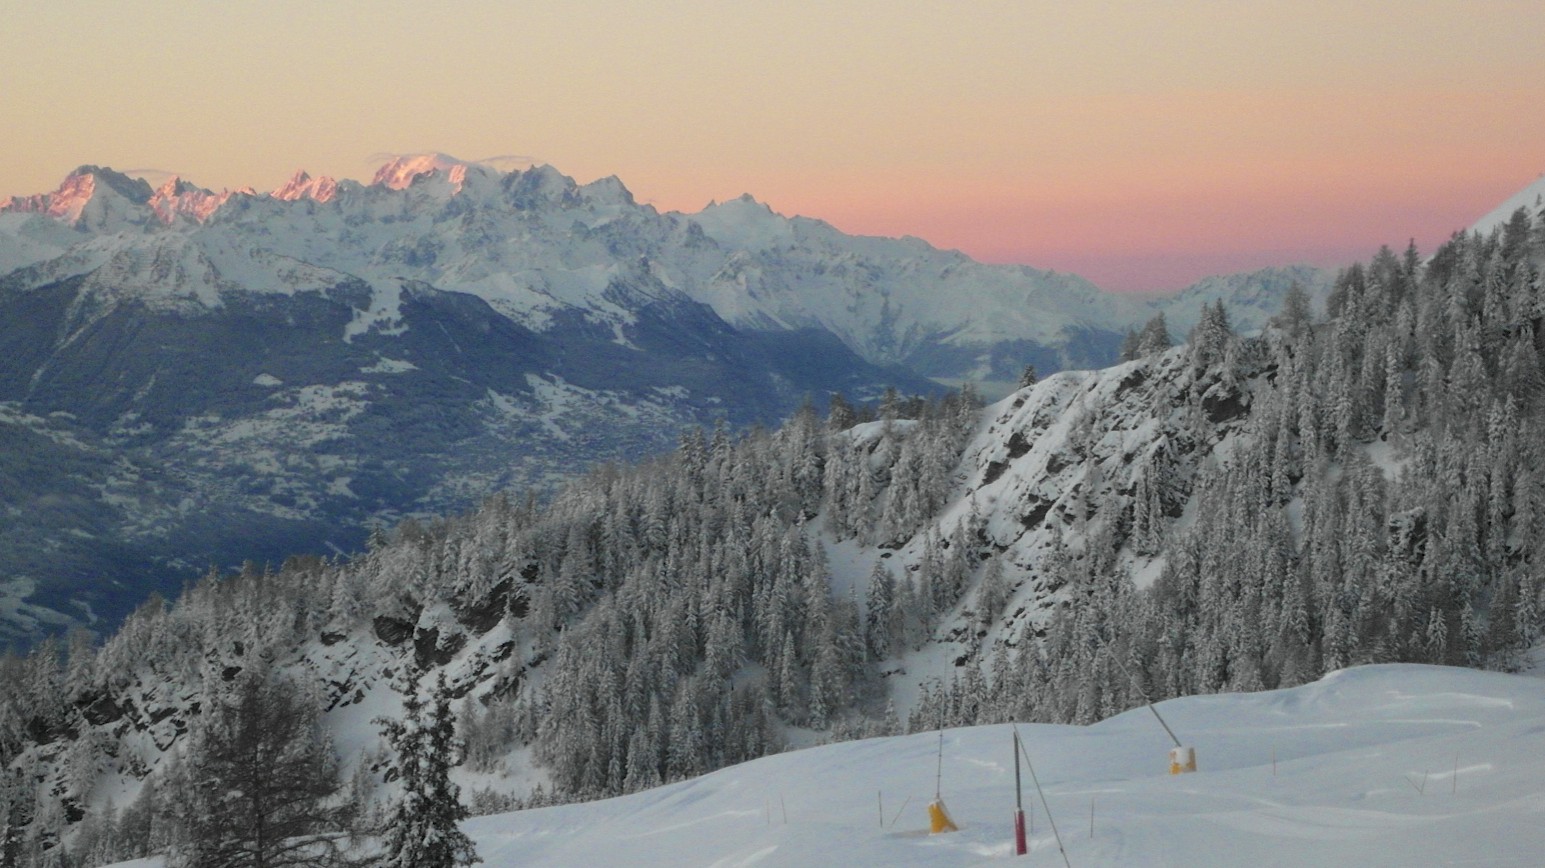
{"x": 1237, "y": 512}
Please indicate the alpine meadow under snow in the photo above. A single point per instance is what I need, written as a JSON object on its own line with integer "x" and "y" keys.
{"x": 1271, "y": 533}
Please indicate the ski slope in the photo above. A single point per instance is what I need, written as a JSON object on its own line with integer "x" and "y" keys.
{"x": 1356, "y": 769}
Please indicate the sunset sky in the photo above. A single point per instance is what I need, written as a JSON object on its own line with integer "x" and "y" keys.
{"x": 1142, "y": 145}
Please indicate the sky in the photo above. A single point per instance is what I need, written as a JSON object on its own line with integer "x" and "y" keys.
{"x": 1142, "y": 145}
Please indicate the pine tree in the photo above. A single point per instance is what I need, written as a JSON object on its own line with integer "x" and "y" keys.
{"x": 1209, "y": 340}
{"x": 1028, "y": 377}
{"x": 1295, "y": 317}
{"x": 1130, "y": 347}
{"x": 993, "y": 592}
{"x": 423, "y": 831}
{"x": 790, "y": 679}
{"x": 259, "y": 783}
{"x": 1154, "y": 338}
{"x": 878, "y": 621}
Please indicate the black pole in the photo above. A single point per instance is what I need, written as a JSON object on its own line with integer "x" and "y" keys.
{"x": 938, "y": 780}
{"x": 1144, "y": 695}
{"x": 1019, "y": 793}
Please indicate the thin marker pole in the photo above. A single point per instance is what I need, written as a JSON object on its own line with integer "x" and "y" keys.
{"x": 938, "y": 780}
{"x": 1042, "y": 793}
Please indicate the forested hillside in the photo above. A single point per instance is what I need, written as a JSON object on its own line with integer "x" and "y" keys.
{"x": 1352, "y": 486}
{"x": 1381, "y": 504}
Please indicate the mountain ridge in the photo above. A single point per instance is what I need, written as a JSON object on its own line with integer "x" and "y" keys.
{"x": 830, "y": 283}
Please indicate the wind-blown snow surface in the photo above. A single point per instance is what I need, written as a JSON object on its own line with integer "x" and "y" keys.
{"x": 1356, "y": 769}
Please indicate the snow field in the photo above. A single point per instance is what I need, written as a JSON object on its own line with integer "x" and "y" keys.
{"x": 1356, "y": 769}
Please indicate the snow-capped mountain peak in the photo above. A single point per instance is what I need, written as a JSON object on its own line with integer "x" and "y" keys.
{"x": 302, "y": 186}
{"x": 744, "y": 223}
{"x": 608, "y": 191}
{"x": 401, "y": 172}
{"x": 89, "y": 198}
{"x": 538, "y": 185}
{"x": 178, "y": 198}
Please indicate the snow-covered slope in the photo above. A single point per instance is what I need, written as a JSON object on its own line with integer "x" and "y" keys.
{"x": 901, "y": 299}
{"x": 1251, "y": 298}
{"x": 1357, "y": 769}
{"x": 29, "y": 238}
{"x": 1381, "y": 765}
{"x": 1082, "y": 461}
{"x": 1531, "y": 198}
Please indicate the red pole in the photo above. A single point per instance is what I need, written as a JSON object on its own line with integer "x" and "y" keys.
{"x": 1020, "y": 848}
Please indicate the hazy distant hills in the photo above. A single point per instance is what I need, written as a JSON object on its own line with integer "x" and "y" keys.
{"x": 191, "y": 378}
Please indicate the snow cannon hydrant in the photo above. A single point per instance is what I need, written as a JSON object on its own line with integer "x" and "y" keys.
{"x": 1182, "y": 760}
{"x": 939, "y": 818}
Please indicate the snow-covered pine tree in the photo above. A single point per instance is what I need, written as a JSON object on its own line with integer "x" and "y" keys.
{"x": 993, "y": 592}
{"x": 1154, "y": 337}
{"x": 879, "y": 616}
{"x": 1028, "y": 377}
{"x": 423, "y": 829}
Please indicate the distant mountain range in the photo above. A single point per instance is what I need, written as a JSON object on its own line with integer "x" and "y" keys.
{"x": 191, "y": 378}
{"x": 535, "y": 245}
